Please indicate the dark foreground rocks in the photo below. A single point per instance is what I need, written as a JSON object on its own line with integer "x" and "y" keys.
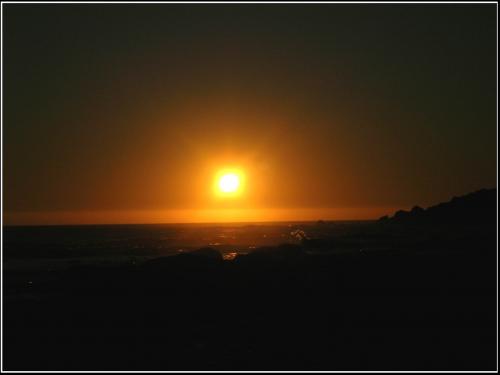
{"x": 275, "y": 309}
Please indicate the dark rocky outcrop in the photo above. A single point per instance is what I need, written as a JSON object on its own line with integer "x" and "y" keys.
{"x": 204, "y": 257}
{"x": 476, "y": 208}
{"x": 206, "y": 252}
{"x": 285, "y": 252}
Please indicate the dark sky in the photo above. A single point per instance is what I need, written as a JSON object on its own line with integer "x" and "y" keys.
{"x": 126, "y": 108}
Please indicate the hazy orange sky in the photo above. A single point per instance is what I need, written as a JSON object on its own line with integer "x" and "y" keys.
{"x": 125, "y": 113}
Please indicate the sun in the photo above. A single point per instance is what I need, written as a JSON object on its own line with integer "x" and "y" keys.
{"x": 229, "y": 183}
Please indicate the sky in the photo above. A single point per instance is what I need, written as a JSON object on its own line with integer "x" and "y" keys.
{"x": 125, "y": 113}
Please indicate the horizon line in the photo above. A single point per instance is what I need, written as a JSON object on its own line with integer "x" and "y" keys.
{"x": 195, "y": 223}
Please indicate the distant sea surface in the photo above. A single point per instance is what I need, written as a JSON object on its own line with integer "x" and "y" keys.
{"x": 29, "y": 246}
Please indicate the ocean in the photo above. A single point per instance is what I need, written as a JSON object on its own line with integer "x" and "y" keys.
{"x": 56, "y": 246}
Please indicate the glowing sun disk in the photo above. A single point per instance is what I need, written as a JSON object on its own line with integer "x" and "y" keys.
{"x": 229, "y": 183}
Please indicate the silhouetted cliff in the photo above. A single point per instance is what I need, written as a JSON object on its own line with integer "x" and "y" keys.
{"x": 475, "y": 208}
